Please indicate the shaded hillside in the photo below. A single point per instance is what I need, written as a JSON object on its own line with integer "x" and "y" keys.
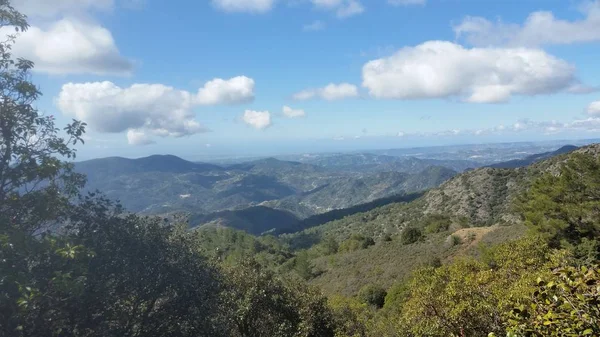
{"x": 167, "y": 184}
{"x": 106, "y": 168}
{"x": 302, "y": 177}
{"x": 351, "y": 191}
{"x": 259, "y": 220}
{"x": 255, "y": 220}
{"x": 337, "y": 214}
{"x": 534, "y": 158}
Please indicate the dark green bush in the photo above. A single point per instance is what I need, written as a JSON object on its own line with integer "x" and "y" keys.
{"x": 372, "y": 295}
{"x": 411, "y": 235}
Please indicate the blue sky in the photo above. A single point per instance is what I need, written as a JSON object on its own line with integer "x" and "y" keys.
{"x": 197, "y": 78}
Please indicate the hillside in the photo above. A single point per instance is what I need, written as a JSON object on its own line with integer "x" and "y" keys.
{"x": 368, "y": 162}
{"x": 214, "y": 194}
{"x": 351, "y": 191}
{"x": 534, "y": 158}
{"x": 472, "y": 208}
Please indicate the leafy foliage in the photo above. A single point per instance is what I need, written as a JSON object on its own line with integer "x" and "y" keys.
{"x": 350, "y": 316}
{"x": 566, "y": 303}
{"x": 34, "y": 184}
{"x": 112, "y": 274}
{"x": 467, "y": 297}
{"x": 259, "y": 303}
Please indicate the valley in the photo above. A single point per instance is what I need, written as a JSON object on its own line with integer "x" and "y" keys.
{"x": 274, "y": 195}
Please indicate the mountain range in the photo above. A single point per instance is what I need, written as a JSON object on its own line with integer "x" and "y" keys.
{"x": 164, "y": 184}
{"x": 269, "y": 194}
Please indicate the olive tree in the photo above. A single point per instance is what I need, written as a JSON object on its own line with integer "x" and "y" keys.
{"x": 35, "y": 180}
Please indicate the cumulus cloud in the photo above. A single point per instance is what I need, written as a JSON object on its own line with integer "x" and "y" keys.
{"x": 314, "y": 26}
{"x": 293, "y": 113}
{"x": 257, "y": 119}
{"x": 407, "y": 2}
{"x": 70, "y": 47}
{"x": 249, "y": 6}
{"x": 540, "y": 28}
{"x": 342, "y": 8}
{"x": 236, "y": 90}
{"x": 439, "y": 69}
{"x": 145, "y": 110}
{"x": 137, "y": 137}
{"x": 594, "y": 108}
{"x": 331, "y": 92}
{"x": 112, "y": 109}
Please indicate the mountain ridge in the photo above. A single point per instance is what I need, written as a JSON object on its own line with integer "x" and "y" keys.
{"x": 163, "y": 184}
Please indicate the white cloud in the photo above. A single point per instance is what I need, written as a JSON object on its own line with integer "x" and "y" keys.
{"x": 293, "y": 113}
{"x": 250, "y": 6}
{"x": 305, "y": 95}
{"x": 591, "y": 124}
{"x": 439, "y": 69}
{"x": 145, "y": 109}
{"x": 579, "y": 88}
{"x": 342, "y": 8}
{"x": 331, "y": 92}
{"x": 47, "y": 8}
{"x": 407, "y": 2}
{"x": 111, "y": 109}
{"x": 239, "y": 89}
{"x": 314, "y": 26}
{"x": 137, "y": 137}
{"x": 540, "y": 28}
{"x": 71, "y": 47}
{"x": 257, "y": 119}
{"x": 594, "y": 108}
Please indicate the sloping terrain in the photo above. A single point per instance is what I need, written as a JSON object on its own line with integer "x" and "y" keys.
{"x": 368, "y": 162}
{"x": 452, "y": 220}
{"x": 166, "y": 184}
{"x": 534, "y": 158}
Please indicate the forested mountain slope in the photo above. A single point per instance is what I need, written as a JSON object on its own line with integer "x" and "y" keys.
{"x": 534, "y": 158}
{"x": 452, "y": 220}
{"x": 214, "y": 194}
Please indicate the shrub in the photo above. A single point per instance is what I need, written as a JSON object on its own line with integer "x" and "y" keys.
{"x": 411, "y": 235}
{"x": 372, "y": 295}
{"x": 566, "y": 301}
{"x": 356, "y": 242}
